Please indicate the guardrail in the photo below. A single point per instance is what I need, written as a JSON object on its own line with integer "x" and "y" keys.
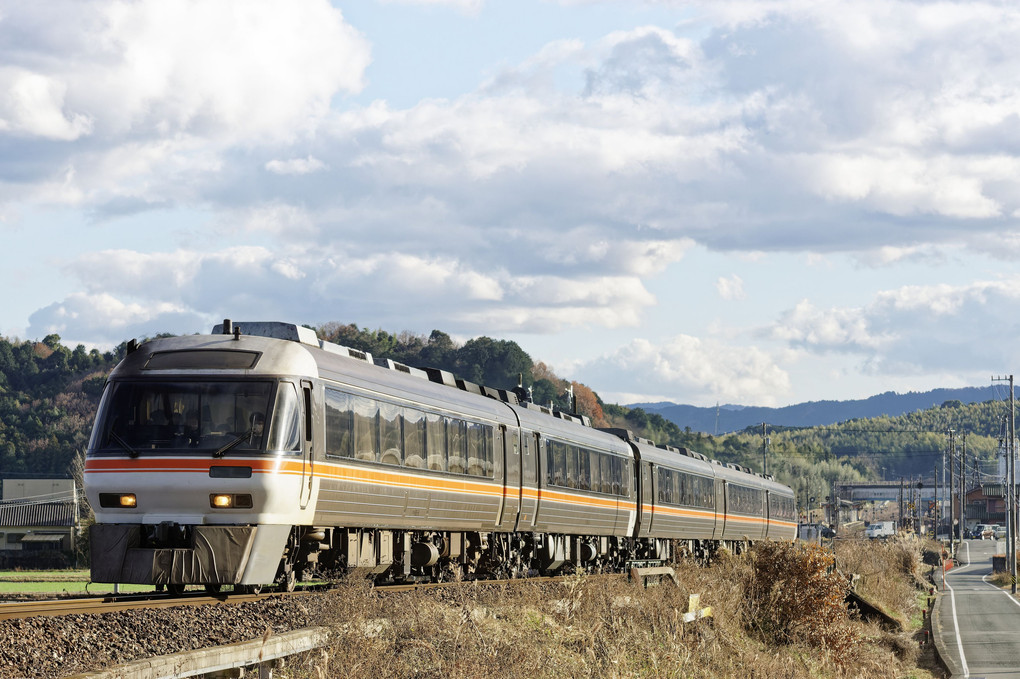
{"x": 220, "y": 660}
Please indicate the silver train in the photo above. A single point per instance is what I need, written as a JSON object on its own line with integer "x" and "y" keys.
{"x": 260, "y": 454}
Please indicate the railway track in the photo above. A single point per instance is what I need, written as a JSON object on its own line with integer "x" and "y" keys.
{"x": 93, "y": 605}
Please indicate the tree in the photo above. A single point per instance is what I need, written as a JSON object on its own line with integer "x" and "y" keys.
{"x": 588, "y": 404}
{"x": 495, "y": 363}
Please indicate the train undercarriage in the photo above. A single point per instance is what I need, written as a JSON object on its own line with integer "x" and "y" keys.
{"x": 172, "y": 556}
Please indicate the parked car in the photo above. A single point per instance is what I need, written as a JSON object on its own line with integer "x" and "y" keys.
{"x": 986, "y": 531}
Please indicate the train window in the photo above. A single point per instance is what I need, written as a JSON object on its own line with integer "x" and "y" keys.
{"x": 339, "y": 414}
{"x": 366, "y": 429}
{"x": 607, "y": 473}
{"x": 199, "y": 416}
{"x": 600, "y": 473}
{"x": 456, "y": 445}
{"x": 559, "y": 463}
{"x": 285, "y": 434}
{"x": 414, "y": 438}
{"x": 475, "y": 450}
{"x": 584, "y": 469}
{"x": 435, "y": 432}
{"x": 389, "y": 434}
{"x": 616, "y": 471}
{"x": 571, "y": 455}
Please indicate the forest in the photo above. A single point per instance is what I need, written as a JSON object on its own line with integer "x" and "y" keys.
{"x": 49, "y": 394}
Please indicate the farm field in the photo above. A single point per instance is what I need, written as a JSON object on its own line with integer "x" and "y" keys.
{"x": 56, "y": 583}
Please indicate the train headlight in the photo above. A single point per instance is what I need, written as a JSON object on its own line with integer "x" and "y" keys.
{"x": 230, "y": 501}
{"x": 118, "y": 500}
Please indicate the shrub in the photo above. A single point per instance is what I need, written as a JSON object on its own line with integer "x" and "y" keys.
{"x": 795, "y": 595}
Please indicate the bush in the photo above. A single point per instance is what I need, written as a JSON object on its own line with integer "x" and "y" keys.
{"x": 795, "y": 595}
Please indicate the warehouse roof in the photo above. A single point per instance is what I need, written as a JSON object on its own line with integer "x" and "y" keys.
{"x": 16, "y": 514}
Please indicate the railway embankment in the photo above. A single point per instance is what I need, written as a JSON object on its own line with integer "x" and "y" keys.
{"x": 778, "y": 610}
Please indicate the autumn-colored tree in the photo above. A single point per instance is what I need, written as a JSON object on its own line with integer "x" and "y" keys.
{"x": 588, "y": 404}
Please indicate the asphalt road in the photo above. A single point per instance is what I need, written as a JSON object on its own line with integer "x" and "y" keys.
{"x": 977, "y": 622}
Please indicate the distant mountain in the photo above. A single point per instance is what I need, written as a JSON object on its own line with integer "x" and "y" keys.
{"x": 729, "y": 418}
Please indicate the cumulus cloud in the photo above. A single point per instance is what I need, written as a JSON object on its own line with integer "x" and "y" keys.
{"x": 730, "y": 288}
{"x": 914, "y": 329}
{"x": 155, "y": 92}
{"x": 254, "y": 281}
{"x": 688, "y": 369}
{"x": 547, "y": 197}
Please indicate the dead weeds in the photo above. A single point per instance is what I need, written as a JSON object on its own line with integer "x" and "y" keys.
{"x": 604, "y": 626}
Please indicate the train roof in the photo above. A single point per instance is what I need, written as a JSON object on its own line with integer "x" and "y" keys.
{"x": 575, "y": 428}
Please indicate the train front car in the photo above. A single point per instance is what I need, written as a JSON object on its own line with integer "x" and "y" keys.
{"x": 199, "y": 462}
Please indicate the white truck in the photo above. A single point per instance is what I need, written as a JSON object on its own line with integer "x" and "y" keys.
{"x": 880, "y": 529}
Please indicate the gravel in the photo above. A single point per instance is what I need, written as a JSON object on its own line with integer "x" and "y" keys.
{"x": 72, "y": 644}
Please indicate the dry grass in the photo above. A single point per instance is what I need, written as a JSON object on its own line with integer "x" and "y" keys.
{"x": 607, "y": 627}
{"x": 889, "y": 572}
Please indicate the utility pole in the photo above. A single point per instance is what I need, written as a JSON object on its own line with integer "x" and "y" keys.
{"x": 963, "y": 487}
{"x": 900, "y": 525}
{"x": 952, "y": 479}
{"x": 764, "y": 448}
{"x": 937, "y": 507}
{"x": 1010, "y": 484}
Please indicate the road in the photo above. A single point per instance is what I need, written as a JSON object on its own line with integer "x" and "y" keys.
{"x": 979, "y": 623}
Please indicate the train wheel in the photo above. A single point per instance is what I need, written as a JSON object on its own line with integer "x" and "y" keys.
{"x": 213, "y": 588}
{"x": 248, "y": 589}
{"x": 175, "y": 589}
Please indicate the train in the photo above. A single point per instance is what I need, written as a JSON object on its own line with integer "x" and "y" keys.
{"x": 260, "y": 455}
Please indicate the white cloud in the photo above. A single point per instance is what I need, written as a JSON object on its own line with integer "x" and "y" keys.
{"x": 550, "y": 195}
{"x": 915, "y": 328}
{"x": 730, "y": 288}
{"x": 33, "y": 104}
{"x": 296, "y": 165}
{"x": 688, "y": 369}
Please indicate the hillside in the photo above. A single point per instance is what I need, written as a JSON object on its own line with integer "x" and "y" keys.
{"x": 731, "y": 418}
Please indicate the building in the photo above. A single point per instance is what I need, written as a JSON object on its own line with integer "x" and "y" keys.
{"x": 37, "y": 515}
{"x": 985, "y": 504}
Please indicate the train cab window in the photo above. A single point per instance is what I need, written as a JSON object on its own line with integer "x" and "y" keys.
{"x": 285, "y": 432}
{"x": 390, "y": 434}
{"x": 339, "y": 416}
{"x": 366, "y": 429}
{"x": 414, "y": 438}
{"x": 435, "y": 436}
{"x": 196, "y": 415}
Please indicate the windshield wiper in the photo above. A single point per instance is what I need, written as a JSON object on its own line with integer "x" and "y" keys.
{"x": 231, "y": 444}
{"x": 123, "y": 444}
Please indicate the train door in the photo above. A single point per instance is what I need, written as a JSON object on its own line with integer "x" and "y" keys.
{"x": 507, "y": 451}
{"x": 308, "y": 446}
{"x": 720, "y": 509}
{"x": 530, "y": 445}
{"x": 645, "y": 496}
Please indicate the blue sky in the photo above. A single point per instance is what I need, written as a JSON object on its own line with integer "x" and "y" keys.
{"x": 744, "y": 202}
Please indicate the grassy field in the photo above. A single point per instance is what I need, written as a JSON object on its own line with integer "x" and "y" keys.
{"x": 14, "y": 583}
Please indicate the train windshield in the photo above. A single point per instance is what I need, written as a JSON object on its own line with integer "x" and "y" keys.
{"x": 214, "y": 417}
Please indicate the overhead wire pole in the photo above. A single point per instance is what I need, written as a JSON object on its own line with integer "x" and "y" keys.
{"x": 764, "y": 448}
{"x": 952, "y": 485}
{"x": 963, "y": 488}
{"x": 1009, "y": 487}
